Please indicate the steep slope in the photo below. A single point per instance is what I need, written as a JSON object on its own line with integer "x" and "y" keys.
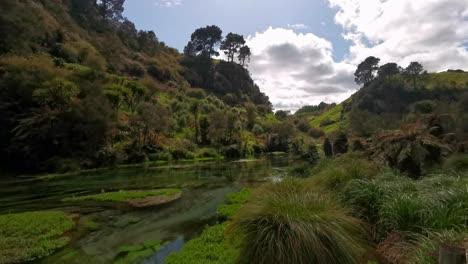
{"x": 81, "y": 88}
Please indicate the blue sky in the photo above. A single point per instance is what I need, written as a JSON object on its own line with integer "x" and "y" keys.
{"x": 175, "y": 24}
{"x": 306, "y": 51}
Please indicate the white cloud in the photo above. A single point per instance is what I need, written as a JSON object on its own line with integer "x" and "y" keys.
{"x": 434, "y": 32}
{"x": 168, "y": 3}
{"x": 297, "y": 69}
{"x": 298, "y": 26}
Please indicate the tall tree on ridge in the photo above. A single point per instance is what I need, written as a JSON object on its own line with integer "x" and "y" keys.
{"x": 231, "y": 45}
{"x": 365, "y": 72}
{"x": 244, "y": 55}
{"x": 414, "y": 70}
{"x": 203, "y": 41}
{"x": 111, "y": 9}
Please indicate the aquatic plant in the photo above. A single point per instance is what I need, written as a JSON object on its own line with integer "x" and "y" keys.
{"x": 122, "y": 196}
{"x": 212, "y": 247}
{"x": 135, "y": 253}
{"x": 32, "y": 235}
{"x": 235, "y": 202}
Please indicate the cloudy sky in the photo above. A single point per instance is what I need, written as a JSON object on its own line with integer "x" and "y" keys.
{"x": 306, "y": 51}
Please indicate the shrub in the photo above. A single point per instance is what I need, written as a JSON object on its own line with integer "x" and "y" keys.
{"x": 288, "y": 223}
{"x": 340, "y": 145}
{"x": 257, "y": 130}
{"x": 424, "y": 107}
{"x": 326, "y": 122}
{"x": 458, "y": 162}
{"x": 316, "y": 132}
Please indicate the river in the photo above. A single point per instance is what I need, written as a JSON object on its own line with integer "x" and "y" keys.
{"x": 204, "y": 186}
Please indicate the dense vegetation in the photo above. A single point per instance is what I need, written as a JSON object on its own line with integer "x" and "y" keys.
{"x": 379, "y": 178}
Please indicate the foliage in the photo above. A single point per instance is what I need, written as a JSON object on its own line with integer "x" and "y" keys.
{"x": 457, "y": 162}
{"x": 212, "y": 247}
{"x": 408, "y": 149}
{"x": 235, "y": 202}
{"x": 366, "y": 70}
{"x": 340, "y": 145}
{"x": 336, "y": 173}
{"x": 203, "y": 41}
{"x": 136, "y": 253}
{"x": 123, "y": 195}
{"x": 288, "y": 223}
{"x": 393, "y": 202}
{"x": 328, "y": 148}
{"x": 33, "y": 235}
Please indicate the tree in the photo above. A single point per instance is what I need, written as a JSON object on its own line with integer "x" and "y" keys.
{"x": 328, "y": 148}
{"x": 251, "y": 115}
{"x": 340, "y": 146}
{"x": 231, "y": 45}
{"x": 414, "y": 69}
{"x": 203, "y": 41}
{"x": 195, "y": 109}
{"x": 244, "y": 55}
{"x": 388, "y": 70}
{"x": 111, "y": 9}
{"x": 365, "y": 72}
{"x": 150, "y": 118}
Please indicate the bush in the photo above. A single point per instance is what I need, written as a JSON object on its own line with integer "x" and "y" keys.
{"x": 160, "y": 156}
{"x": 316, "y": 132}
{"x": 424, "y": 107}
{"x": 288, "y": 223}
{"x": 257, "y": 130}
{"x": 326, "y": 122}
{"x": 134, "y": 69}
{"x": 458, "y": 162}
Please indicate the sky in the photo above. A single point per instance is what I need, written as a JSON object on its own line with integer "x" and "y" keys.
{"x": 306, "y": 51}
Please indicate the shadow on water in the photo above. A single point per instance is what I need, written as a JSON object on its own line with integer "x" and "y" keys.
{"x": 204, "y": 187}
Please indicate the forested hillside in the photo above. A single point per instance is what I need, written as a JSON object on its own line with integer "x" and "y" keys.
{"x": 81, "y": 87}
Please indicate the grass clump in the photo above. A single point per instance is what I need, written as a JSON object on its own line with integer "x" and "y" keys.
{"x": 335, "y": 173}
{"x": 212, "y": 247}
{"x": 235, "y": 202}
{"x": 123, "y": 196}
{"x": 393, "y": 202}
{"x": 135, "y": 253}
{"x": 287, "y": 222}
{"x": 33, "y": 235}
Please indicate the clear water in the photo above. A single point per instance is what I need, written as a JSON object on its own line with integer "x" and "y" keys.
{"x": 204, "y": 187}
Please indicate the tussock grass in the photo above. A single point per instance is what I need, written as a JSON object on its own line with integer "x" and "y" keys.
{"x": 457, "y": 163}
{"x": 335, "y": 173}
{"x": 288, "y": 222}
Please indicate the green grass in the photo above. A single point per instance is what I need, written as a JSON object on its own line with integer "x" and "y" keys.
{"x": 332, "y": 114}
{"x": 288, "y": 222}
{"x": 135, "y": 253}
{"x": 398, "y": 203}
{"x": 457, "y": 162}
{"x": 449, "y": 79}
{"x": 235, "y": 202}
{"x": 212, "y": 247}
{"x": 123, "y": 196}
{"x": 335, "y": 173}
{"x": 33, "y": 235}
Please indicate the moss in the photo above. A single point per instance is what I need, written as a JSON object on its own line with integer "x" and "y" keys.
{"x": 236, "y": 201}
{"x": 32, "y": 235}
{"x": 135, "y": 253}
{"x": 123, "y": 196}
